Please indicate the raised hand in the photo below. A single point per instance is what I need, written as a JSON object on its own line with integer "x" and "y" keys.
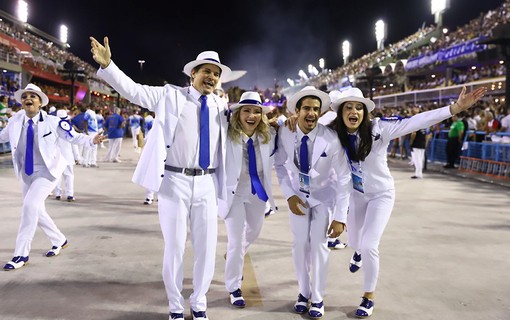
{"x": 101, "y": 53}
{"x": 466, "y": 100}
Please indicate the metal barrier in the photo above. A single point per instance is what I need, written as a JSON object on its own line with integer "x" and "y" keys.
{"x": 486, "y": 167}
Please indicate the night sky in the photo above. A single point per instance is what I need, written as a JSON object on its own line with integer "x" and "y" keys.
{"x": 272, "y": 40}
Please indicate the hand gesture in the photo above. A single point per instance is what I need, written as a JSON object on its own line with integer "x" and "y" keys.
{"x": 101, "y": 53}
{"x": 467, "y": 100}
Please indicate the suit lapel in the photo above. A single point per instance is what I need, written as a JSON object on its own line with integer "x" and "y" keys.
{"x": 319, "y": 146}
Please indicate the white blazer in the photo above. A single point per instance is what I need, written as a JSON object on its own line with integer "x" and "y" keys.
{"x": 329, "y": 171}
{"x": 233, "y": 170}
{"x": 376, "y": 174}
{"x": 48, "y": 133}
{"x": 166, "y": 102}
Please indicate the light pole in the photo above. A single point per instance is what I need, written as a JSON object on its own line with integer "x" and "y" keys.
{"x": 437, "y": 7}
{"x": 346, "y": 51}
{"x": 380, "y": 34}
{"x": 22, "y": 11}
{"x": 322, "y": 63}
{"x": 141, "y": 62}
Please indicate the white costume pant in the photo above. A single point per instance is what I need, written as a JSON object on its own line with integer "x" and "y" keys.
{"x": 310, "y": 250}
{"x": 90, "y": 152}
{"x": 134, "y": 134}
{"x": 243, "y": 223}
{"x": 68, "y": 177}
{"x": 113, "y": 151}
{"x": 181, "y": 199}
{"x": 33, "y": 214}
{"x": 149, "y": 194}
{"x": 366, "y": 221}
{"x": 418, "y": 156}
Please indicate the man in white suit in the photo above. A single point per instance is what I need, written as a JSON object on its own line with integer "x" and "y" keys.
{"x": 314, "y": 176}
{"x": 183, "y": 161}
{"x": 39, "y": 162}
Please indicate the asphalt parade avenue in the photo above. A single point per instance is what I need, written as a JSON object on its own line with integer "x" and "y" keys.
{"x": 444, "y": 255}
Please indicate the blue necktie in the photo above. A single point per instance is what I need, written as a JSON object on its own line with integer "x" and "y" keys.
{"x": 204, "y": 159}
{"x": 256, "y": 185}
{"x": 29, "y": 152}
{"x": 303, "y": 155}
{"x": 352, "y": 143}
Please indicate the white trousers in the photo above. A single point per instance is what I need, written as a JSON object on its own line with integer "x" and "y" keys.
{"x": 418, "y": 156}
{"x": 243, "y": 223}
{"x": 33, "y": 214}
{"x": 68, "y": 177}
{"x": 368, "y": 216}
{"x": 113, "y": 150}
{"x": 310, "y": 250}
{"x": 183, "y": 199}
{"x": 134, "y": 134}
{"x": 90, "y": 152}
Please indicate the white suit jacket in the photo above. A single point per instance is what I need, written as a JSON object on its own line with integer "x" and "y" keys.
{"x": 329, "y": 171}
{"x": 233, "y": 170}
{"x": 166, "y": 102}
{"x": 376, "y": 174}
{"x": 48, "y": 134}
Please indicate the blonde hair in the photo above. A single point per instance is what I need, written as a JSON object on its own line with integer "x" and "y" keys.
{"x": 235, "y": 128}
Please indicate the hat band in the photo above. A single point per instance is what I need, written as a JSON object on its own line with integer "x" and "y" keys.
{"x": 250, "y": 101}
{"x": 211, "y": 59}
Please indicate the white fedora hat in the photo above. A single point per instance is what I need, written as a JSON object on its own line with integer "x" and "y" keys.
{"x": 352, "y": 94}
{"x": 250, "y": 98}
{"x": 309, "y": 91}
{"x": 62, "y": 114}
{"x": 32, "y": 88}
{"x": 209, "y": 57}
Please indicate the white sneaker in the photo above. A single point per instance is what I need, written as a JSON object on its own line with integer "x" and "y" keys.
{"x": 147, "y": 201}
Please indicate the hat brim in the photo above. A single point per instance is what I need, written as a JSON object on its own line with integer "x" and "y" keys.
{"x": 367, "y": 102}
{"x": 225, "y": 71}
{"x": 323, "y": 96}
{"x": 235, "y": 106}
{"x": 42, "y": 95}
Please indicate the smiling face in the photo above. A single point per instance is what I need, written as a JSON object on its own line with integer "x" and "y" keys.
{"x": 31, "y": 103}
{"x": 250, "y": 117}
{"x": 352, "y": 115}
{"x": 308, "y": 113}
{"x": 205, "y": 78}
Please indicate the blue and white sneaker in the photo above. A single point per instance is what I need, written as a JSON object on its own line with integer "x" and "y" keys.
{"x": 336, "y": 244}
{"x": 55, "y": 250}
{"x": 316, "y": 310}
{"x": 199, "y": 315}
{"x": 365, "y": 309}
{"x": 236, "y": 299}
{"x": 355, "y": 263}
{"x": 16, "y": 263}
{"x": 176, "y": 316}
{"x": 301, "y": 305}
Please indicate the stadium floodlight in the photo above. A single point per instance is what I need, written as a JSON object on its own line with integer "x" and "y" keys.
{"x": 22, "y": 11}
{"x": 346, "y": 51}
{"x": 321, "y": 64}
{"x": 63, "y": 34}
{"x": 141, "y": 62}
{"x": 290, "y": 82}
{"x": 437, "y": 7}
{"x": 380, "y": 34}
{"x": 303, "y": 75}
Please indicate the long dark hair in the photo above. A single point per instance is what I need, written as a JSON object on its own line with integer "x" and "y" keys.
{"x": 364, "y": 132}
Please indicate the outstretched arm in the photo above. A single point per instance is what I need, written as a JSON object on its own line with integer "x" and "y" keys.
{"x": 101, "y": 53}
{"x": 467, "y": 100}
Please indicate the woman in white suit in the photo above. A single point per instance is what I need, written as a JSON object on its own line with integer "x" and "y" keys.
{"x": 373, "y": 195}
{"x": 250, "y": 147}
